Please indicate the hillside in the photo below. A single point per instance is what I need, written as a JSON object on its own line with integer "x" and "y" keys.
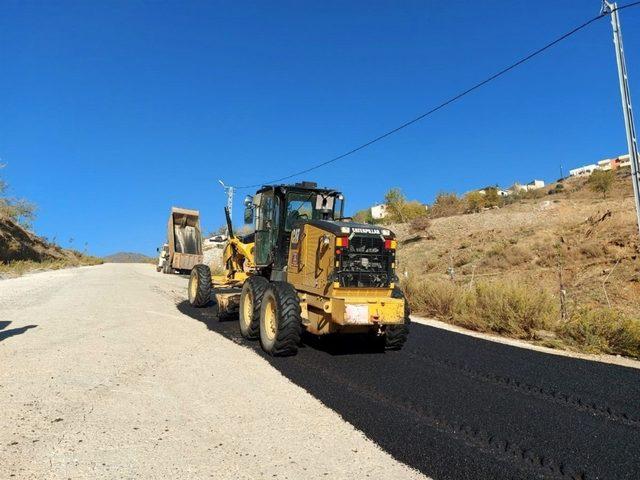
{"x": 561, "y": 269}
{"x": 128, "y": 257}
{"x": 22, "y": 251}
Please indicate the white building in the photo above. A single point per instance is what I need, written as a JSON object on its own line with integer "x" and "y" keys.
{"x": 624, "y": 160}
{"x": 605, "y": 164}
{"x": 503, "y": 193}
{"x": 517, "y": 187}
{"x": 583, "y": 171}
{"x": 535, "y": 185}
{"x": 379, "y": 211}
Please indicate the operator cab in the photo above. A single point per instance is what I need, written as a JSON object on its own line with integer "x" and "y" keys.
{"x": 275, "y": 209}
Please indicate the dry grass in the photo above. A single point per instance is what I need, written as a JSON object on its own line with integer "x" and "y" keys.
{"x": 488, "y": 306}
{"x": 20, "y": 267}
{"x": 524, "y": 312}
{"x": 603, "y": 330}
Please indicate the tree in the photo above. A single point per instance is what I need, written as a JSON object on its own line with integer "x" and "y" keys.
{"x": 18, "y": 210}
{"x": 601, "y": 181}
{"x": 395, "y": 201}
{"x": 401, "y": 210}
{"x": 475, "y": 201}
{"x": 491, "y": 197}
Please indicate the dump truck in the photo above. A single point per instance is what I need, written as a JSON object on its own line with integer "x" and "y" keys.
{"x": 184, "y": 240}
{"x": 306, "y": 268}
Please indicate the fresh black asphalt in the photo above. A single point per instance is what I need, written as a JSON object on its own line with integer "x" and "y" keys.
{"x": 458, "y": 407}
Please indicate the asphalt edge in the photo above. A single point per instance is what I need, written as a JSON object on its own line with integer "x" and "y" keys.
{"x": 602, "y": 358}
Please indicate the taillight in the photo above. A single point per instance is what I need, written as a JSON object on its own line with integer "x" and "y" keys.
{"x": 342, "y": 242}
{"x": 390, "y": 244}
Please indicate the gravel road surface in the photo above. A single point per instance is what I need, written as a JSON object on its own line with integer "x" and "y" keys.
{"x": 101, "y": 376}
{"x": 107, "y": 372}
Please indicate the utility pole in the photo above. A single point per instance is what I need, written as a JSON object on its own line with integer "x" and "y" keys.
{"x": 625, "y": 94}
{"x": 229, "y": 189}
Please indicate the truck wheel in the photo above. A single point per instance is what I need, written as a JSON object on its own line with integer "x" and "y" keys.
{"x": 158, "y": 268}
{"x": 396, "y": 335}
{"x": 250, "y": 303}
{"x": 280, "y": 321}
{"x": 166, "y": 267}
{"x": 200, "y": 286}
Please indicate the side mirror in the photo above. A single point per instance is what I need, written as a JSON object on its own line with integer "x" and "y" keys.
{"x": 248, "y": 215}
{"x": 158, "y": 249}
{"x": 248, "y": 201}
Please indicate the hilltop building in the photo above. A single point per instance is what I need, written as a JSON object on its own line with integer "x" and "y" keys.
{"x": 606, "y": 164}
{"x": 379, "y": 211}
{"x": 533, "y": 185}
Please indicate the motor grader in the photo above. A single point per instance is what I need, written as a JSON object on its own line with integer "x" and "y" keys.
{"x": 305, "y": 267}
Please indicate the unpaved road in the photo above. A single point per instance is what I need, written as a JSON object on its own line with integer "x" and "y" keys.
{"x": 102, "y": 377}
{"x": 121, "y": 378}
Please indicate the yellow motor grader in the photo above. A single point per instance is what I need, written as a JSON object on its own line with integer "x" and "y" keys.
{"x": 306, "y": 268}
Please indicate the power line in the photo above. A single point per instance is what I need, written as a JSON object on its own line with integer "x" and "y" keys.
{"x": 446, "y": 102}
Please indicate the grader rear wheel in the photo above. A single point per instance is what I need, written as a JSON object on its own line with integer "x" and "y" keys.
{"x": 250, "y": 304}
{"x": 396, "y": 335}
{"x": 200, "y": 286}
{"x": 280, "y": 321}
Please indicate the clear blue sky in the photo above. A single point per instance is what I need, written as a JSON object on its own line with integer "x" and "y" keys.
{"x": 114, "y": 111}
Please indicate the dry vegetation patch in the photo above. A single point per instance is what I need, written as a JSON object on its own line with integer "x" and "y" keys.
{"x": 22, "y": 251}
{"x": 561, "y": 269}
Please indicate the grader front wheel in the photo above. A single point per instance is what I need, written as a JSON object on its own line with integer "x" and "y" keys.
{"x": 200, "y": 286}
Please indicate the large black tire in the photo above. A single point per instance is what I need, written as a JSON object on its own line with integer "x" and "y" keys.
{"x": 280, "y": 321}
{"x": 166, "y": 267}
{"x": 396, "y": 335}
{"x": 250, "y": 304}
{"x": 200, "y": 286}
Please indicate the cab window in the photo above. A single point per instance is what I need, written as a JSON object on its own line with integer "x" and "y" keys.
{"x": 299, "y": 206}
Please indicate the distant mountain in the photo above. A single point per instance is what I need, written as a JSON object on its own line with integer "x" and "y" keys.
{"x": 128, "y": 257}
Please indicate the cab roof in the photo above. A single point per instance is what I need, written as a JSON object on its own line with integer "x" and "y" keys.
{"x": 299, "y": 186}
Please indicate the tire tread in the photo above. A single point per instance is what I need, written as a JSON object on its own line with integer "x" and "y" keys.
{"x": 203, "y": 292}
{"x": 396, "y": 335}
